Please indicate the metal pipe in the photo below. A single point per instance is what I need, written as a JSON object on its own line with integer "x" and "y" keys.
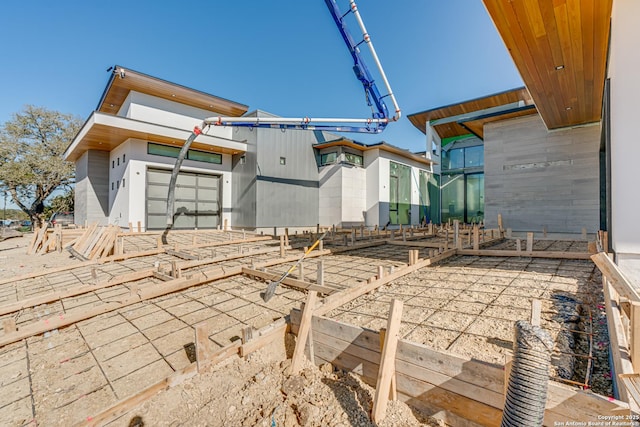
{"x": 367, "y": 39}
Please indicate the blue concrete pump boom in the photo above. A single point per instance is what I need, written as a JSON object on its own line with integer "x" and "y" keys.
{"x": 375, "y": 124}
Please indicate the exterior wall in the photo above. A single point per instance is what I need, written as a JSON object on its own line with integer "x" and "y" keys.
{"x": 375, "y": 190}
{"x": 624, "y": 62}
{"x": 538, "y": 179}
{"x": 354, "y": 195}
{"x": 151, "y": 109}
{"x": 287, "y": 195}
{"x": 92, "y": 188}
{"x": 128, "y": 203}
{"x": 330, "y": 193}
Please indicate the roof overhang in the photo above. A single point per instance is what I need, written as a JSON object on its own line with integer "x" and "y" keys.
{"x": 382, "y": 146}
{"x": 470, "y": 116}
{"x": 104, "y": 132}
{"x": 124, "y": 80}
{"x": 560, "y": 49}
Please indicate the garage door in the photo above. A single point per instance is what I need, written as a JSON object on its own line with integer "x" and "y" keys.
{"x": 197, "y": 202}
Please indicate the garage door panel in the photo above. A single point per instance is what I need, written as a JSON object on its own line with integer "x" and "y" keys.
{"x": 196, "y": 200}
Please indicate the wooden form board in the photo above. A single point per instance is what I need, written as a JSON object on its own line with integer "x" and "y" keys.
{"x": 467, "y": 388}
{"x": 294, "y": 283}
{"x": 530, "y": 254}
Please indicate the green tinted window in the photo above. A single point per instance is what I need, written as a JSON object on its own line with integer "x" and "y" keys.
{"x": 328, "y": 158}
{"x": 162, "y": 150}
{"x": 196, "y": 155}
{"x": 353, "y": 159}
{"x": 203, "y": 156}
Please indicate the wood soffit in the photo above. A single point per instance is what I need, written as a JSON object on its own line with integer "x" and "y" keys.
{"x": 119, "y": 87}
{"x": 560, "y": 49}
{"x": 459, "y": 128}
{"x": 103, "y": 137}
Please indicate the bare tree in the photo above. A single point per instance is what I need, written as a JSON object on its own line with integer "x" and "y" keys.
{"x": 31, "y": 163}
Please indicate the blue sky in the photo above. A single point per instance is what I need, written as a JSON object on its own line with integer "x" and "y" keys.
{"x": 284, "y": 56}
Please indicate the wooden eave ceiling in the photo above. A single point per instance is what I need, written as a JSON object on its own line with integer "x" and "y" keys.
{"x": 118, "y": 89}
{"x": 105, "y": 138}
{"x": 560, "y": 49}
{"x": 454, "y": 128}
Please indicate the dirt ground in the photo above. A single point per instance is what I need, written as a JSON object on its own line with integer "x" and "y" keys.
{"x": 46, "y": 371}
{"x": 259, "y": 392}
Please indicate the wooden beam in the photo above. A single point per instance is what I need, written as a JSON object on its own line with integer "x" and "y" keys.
{"x": 294, "y": 283}
{"x": 339, "y": 298}
{"x": 618, "y": 280}
{"x": 634, "y": 338}
{"x": 618, "y": 345}
{"x": 303, "y": 332}
{"x": 415, "y": 244}
{"x": 387, "y": 362}
{"x": 530, "y": 254}
{"x": 55, "y": 296}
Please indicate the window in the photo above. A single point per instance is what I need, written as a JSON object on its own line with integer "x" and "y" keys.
{"x": 354, "y": 159}
{"x": 113, "y": 164}
{"x": 122, "y": 182}
{"x": 113, "y": 186}
{"x": 474, "y": 156}
{"x": 328, "y": 158}
{"x": 243, "y": 160}
{"x": 118, "y": 184}
{"x": 123, "y": 157}
{"x": 118, "y": 161}
{"x": 283, "y": 161}
{"x": 196, "y": 155}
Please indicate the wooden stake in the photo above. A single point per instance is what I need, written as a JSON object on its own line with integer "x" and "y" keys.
{"x": 139, "y": 227}
{"x": 500, "y": 222}
{"x": 320, "y": 273}
{"x": 380, "y": 272}
{"x": 226, "y": 224}
{"x": 203, "y": 345}
{"x": 393, "y": 391}
{"x": 282, "y": 246}
{"x": 476, "y": 238}
{"x": 303, "y": 332}
{"x": 536, "y": 312}
{"x": 518, "y": 245}
{"x": 529, "y": 242}
{"x": 584, "y": 233}
{"x": 387, "y": 362}
{"x": 634, "y": 344}
{"x": 286, "y": 236}
{"x": 456, "y": 232}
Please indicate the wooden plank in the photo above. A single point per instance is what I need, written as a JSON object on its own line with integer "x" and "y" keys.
{"x": 617, "y": 279}
{"x": 532, "y": 254}
{"x": 130, "y": 255}
{"x": 294, "y": 283}
{"x": 204, "y": 346}
{"x": 44, "y": 299}
{"x": 336, "y": 300}
{"x": 45, "y": 271}
{"x": 634, "y": 339}
{"x": 41, "y": 234}
{"x": 303, "y": 332}
{"x": 274, "y": 332}
{"x": 224, "y": 243}
{"x": 618, "y": 345}
{"x": 387, "y": 362}
{"x": 416, "y": 244}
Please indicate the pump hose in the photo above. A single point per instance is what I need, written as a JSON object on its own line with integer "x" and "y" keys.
{"x": 527, "y": 391}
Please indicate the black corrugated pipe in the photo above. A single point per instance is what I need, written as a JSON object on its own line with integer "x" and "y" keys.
{"x": 529, "y": 378}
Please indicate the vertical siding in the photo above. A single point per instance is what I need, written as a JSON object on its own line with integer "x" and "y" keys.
{"x": 92, "y": 188}
{"x": 243, "y": 188}
{"x": 537, "y": 179}
{"x": 287, "y": 195}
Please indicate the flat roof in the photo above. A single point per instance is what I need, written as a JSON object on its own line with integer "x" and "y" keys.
{"x": 470, "y": 116}
{"x": 123, "y": 80}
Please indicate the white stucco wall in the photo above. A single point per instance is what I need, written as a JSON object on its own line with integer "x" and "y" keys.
{"x": 330, "y": 193}
{"x": 354, "y": 194}
{"x": 128, "y": 204}
{"x": 624, "y": 63}
{"x": 147, "y": 108}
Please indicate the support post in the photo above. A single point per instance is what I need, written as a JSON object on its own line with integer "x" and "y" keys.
{"x": 387, "y": 362}
{"x": 303, "y": 332}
